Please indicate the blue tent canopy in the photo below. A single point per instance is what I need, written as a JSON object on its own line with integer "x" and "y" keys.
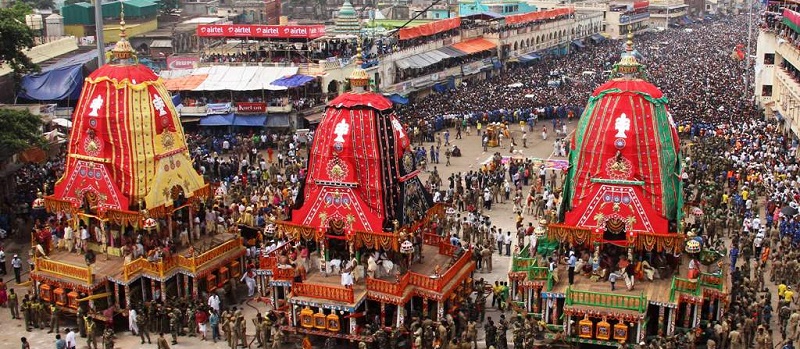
{"x": 53, "y": 85}
{"x": 597, "y": 38}
{"x": 293, "y": 81}
{"x": 176, "y": 99}
{"x": 398, "y": 99}
{"x": 217, "y": 120}
{"x": 250, "y": 120}
{"x": 529, "y": 57}
{"x": 578, "y": 43}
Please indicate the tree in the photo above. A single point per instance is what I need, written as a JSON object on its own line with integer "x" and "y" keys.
{"x": 169, "y": 7}
{"x": 15, "y": 39}
{"x": 40, "y": 4}
{"x": 21, "y": 130}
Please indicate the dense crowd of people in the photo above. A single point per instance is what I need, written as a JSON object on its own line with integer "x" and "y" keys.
{"x": 738, "y": 168}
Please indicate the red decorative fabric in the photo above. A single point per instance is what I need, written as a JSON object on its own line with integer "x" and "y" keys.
{"x": 125, "y": 142}
{"x": 538, "y": 15}
{"x": 625, "y": 151}
{"x": 366, "y": 99}
{"x": 430, "y": 28}
{"x": 344, "y": 176}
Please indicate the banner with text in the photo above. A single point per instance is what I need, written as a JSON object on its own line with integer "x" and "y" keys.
{"x": 260, "y": 31}
{"x": 250, "y": 107}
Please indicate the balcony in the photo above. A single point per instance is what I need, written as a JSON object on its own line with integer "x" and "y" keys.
{"x": 324, "y": 291}
{"x": 606, "y": 300}
{"x": 427, "y": 279}
{"x": 64, "y": 270}
{"x": 163, "y": 268}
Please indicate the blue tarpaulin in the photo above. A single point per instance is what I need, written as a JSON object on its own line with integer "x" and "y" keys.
{"x": 53, "y": 85}
{"x": 250, "y": 120}
{"x": 578, "y": 43}
{"x": 529, "y": 57}
{"x": 217, "y": 120}
{"x": 293, "y": 81}
{"x": 398, "y": 99}
{"x": 176, "y": 99}
{"x": 597, "y": 38}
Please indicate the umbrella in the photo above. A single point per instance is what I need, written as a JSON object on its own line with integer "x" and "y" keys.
{"x": 697, "y": 211}
{"x": 788, "y": 211}
{"x": 62, "y": 122}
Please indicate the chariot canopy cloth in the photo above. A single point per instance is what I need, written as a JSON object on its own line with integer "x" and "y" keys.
{"x": 126, "y": 144}
{"x": 430, "y": 28}
{"x": 624, "y": 161}
{"x": 362, "y": 174}
{"x": 53, "y": 85}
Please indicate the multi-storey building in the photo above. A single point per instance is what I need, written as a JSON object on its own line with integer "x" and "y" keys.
{"x": 777, "y": 78}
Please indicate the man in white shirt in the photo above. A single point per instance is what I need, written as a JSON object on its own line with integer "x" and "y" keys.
{"x": 71, "y": 343}
{"x": 2, "y": 261}
{"x": 213, "y": 302}
{"x": 68, "y": 245}
{"x": 84, "y": 239}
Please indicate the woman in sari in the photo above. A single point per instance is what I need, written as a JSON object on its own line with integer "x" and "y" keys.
{"x": 3, "y": 294}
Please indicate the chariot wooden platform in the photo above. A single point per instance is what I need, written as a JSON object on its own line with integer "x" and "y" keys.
{"x": 204, "y": 266}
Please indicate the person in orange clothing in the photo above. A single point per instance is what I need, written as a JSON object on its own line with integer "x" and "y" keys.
{"x": 765, "y": 254}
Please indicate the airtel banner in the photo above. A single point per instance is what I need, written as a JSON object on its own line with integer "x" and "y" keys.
{"x": 182, "y": 62}
{"x": 260, "y": 31}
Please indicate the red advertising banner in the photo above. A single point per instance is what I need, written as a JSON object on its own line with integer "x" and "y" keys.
{"x": 430, "y": 28}
{"x": 538, "y": 15}
{"x": 641, "y": 4}
{"x": 247, "y": 107}
{"x": 182, "y": 62}
{"x": 260, "y": 31}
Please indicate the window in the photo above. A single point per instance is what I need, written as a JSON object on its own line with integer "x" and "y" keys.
{"x": 766, "y": 91}
{"x": 769, "y": 58}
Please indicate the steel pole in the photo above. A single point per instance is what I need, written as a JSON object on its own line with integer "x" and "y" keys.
{"x": 98, "y": 24}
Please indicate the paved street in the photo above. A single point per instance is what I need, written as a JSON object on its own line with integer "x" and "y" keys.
{"x": 473, "y": 156}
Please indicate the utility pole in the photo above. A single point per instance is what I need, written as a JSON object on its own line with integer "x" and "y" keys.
{"x": 98, "y": 24}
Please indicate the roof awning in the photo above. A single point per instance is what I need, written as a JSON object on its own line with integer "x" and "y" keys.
{"x": 277, "y": 120}
{"x": 161, "y": 44}
{"x": 189, "y": 119}
{"x": 314, "y": 118}
{"x": 398, "y": 99}
{"x": 250, "y": 120}
{"x": 422, "y": 60}
{"x": 451, "y": 52}
{"x": 529, "y": 57}
{"x": 597, "y": 38}
{"x": 217, "y": 120}
{"x": 293, "y": 81}
{"x": 578, "y": 43}
{"x": 474, "y": 46}
{"x": 186, "y": 83}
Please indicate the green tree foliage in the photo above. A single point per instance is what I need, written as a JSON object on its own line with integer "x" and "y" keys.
{"x": 169, "y": 7}
{"x": 20, "y": 131}
{"x": 15, "y": 39}
{"x": 40, "y": 4}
